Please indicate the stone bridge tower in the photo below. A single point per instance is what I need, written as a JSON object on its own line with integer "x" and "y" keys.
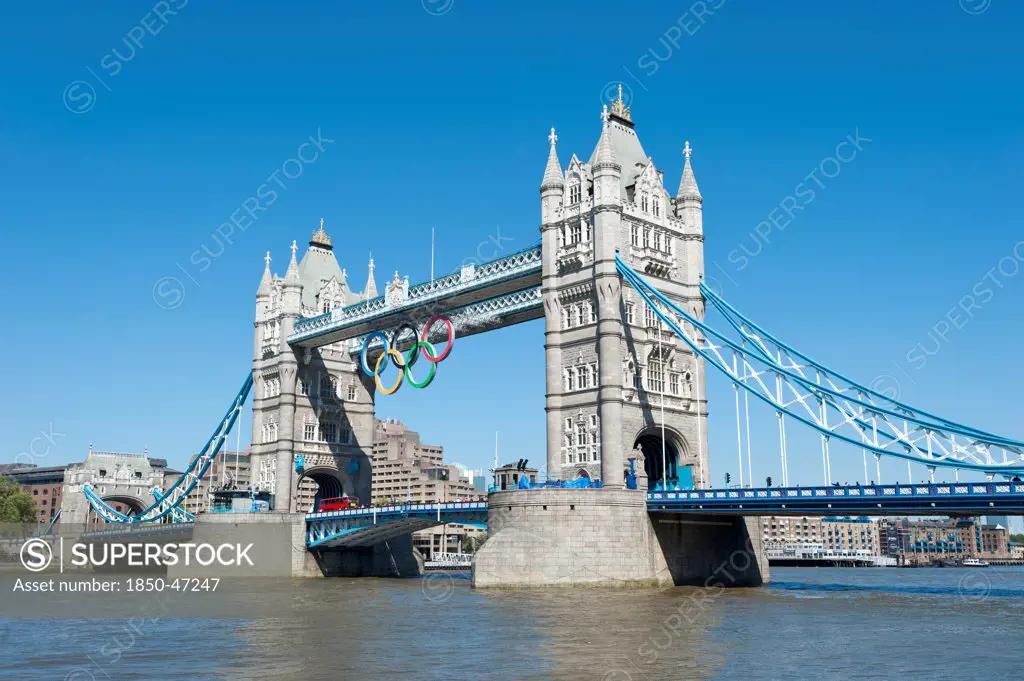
{"x": 615, "y": 382}
{"x": 612, "y": 373}
{"x": 312, "y": 425}
{"x": 117, "y": 477}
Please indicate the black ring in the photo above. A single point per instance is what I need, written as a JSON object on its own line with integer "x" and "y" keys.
{"x": 415, "y": 337}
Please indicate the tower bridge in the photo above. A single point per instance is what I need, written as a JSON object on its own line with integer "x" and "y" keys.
{"x": 617, "y": 278}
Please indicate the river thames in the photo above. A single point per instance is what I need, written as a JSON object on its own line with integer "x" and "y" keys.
{"x": 815, "y": 624}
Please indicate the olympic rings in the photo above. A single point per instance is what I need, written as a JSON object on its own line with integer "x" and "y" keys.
{"x": 451, "y": 336}
{"x": 404, "y": 363}
{"x": 413, "y": 351}
{"x": 398, "y": 332}
{"x": 366, "y": 345}
{"x": 376, "y": 372}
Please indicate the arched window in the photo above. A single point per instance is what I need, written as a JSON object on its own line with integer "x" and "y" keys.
{"x": 328, "y": 387}
{"x": 656, "y": 362}
{"x": 644, "y": 202}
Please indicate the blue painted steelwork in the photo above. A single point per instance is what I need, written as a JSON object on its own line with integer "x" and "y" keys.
{"x": 53, "y": 521}
{"x": 180, "y": 488}
{"x": 368, "y": 526}
{"x": 177, "y": 514}
{"x": 922, "y": 499}
{"x": 830, "y": 404}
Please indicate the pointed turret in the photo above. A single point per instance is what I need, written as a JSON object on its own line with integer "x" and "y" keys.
{"x": 265, "y": 282}
{"x": 605, "y": 155}
{"x": 291, "y": 277}
{"x": 552, "y": 187}
{"x": 553, "y": 171}
{"x": 607, "y": 171}
{"x": 370, "y": 291}
{"x": 688, "y": 183}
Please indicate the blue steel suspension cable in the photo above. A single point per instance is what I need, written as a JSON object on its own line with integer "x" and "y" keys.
{"x": 641, "y": 286}
{"x": 202, "y": 461}
{"x": 1008, "y": 443}
{"x": 731, "y": 314}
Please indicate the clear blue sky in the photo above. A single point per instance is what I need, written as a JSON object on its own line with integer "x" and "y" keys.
{"x": 440, "y": 116}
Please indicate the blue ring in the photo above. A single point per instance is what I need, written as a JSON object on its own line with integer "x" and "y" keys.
{"x": 366, "y": 344}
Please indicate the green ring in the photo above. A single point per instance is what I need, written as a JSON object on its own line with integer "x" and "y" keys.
{"x": 431, "y": 352}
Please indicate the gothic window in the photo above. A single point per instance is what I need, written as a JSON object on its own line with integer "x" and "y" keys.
{"x": 644, "y": 202}
{"x": 584, "y": 378}
{"x": 590, "y": 233}
{"x": 593, "y": 375}
{"x": 351, "y": 391}
{"x": 570, "y": 379}
{"x": 576, "y": 233}
{"x": 575, "y": 190}
{"x": 346, "y": 435}
{"x": 630, "y": 316}
{"x": 592, "y": 316}
{"x": 304, "y": 386}
{"x": 328, "y": 387}
{"x": 657, "y": 208}
{"x": 328, "y": 432}
{"x": 578, "y": 310}
{"x": 566, "y": 318}
{"x": 673, "y": 383}
{"x": 582, "y": 439}
{"x": 657, "y": 240}
{"x": 309, "y": 431}
{"x": 668, "y": 244}
{"x": 326, "y": 307}
{"x": 650, "y": 318}
{"x": 655, "y": 375}
{"x": 647, "y": 237}
{"x": 634, "y": 235}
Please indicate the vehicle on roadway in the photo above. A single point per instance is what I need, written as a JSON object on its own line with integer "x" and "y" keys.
{"x": 336, "y": 504}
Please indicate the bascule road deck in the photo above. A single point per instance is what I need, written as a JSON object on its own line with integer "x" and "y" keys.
{"x": 922, "y": 499}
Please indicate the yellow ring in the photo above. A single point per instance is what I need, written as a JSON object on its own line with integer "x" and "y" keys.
{"x": 376, "y": 370}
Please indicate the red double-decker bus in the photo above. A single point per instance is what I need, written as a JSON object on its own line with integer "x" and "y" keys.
{"x": 336, "y": 504}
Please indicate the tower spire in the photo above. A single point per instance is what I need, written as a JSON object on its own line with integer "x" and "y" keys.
{"x": 688, "y": 183}
{"x": 371, "y": 285}
{"x": 267, "y": 277}
{"x": 605, "y": 152}
{"x": 553, "y": 171}
{"x": 321, "y": 238}
{"x": 620, "y": 111}
{"x": 292, "y": 275}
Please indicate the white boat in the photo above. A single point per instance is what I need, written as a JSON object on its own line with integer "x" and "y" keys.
{"x": 974, "y": 562}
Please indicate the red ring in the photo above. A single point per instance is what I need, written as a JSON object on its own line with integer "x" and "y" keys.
{"x": 451, "y": 337}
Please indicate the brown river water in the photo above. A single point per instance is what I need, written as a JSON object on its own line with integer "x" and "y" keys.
{"x": 815, "y": 624}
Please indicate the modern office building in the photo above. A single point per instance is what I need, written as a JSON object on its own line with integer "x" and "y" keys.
{"x": 407, "y": 469}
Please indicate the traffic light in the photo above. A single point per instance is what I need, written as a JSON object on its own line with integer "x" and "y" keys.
{"x": 769, "y": 480}
{"x": 728, "y": 479}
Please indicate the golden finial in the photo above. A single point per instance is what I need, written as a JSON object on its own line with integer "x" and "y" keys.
{"x": 321, "y": 238}
{"x": 619, "y": 107}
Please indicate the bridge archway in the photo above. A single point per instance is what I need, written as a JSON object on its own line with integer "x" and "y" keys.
{"x": 122, "y": 503}
{"x": 330, "y": 483}
{"x": 649, "y": 441}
